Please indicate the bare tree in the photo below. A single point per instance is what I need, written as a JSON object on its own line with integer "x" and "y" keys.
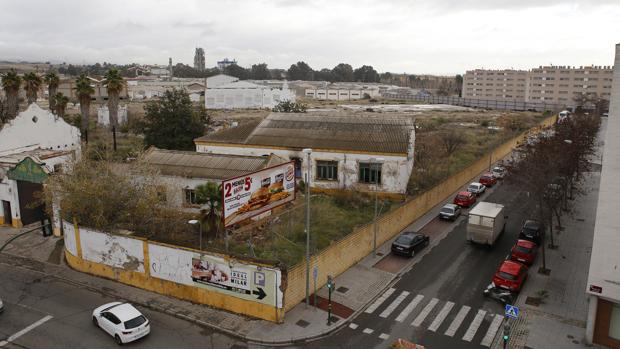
{"x": 452, "y": 140}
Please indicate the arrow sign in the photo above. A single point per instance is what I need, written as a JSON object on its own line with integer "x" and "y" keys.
{"x": 260, "y": 293}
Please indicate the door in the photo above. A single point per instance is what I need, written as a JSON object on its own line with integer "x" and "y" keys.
{"x": 8, "y": 216}
{"x": 29, "y": 201}
{"x": 105, "y": 321}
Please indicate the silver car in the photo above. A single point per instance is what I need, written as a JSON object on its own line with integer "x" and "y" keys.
{"x": 476, "y": 188}
{"x": 450, "y": 212}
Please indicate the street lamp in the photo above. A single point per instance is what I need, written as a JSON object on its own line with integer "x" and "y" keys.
{"x": 375, "y": 163}
{"x": 308, "y": 152}
{"x": 194, "y": 222}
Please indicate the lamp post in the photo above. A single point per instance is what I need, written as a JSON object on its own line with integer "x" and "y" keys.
{"x": 308, "y": 152}
{"x": 194, "y": 222}
{"x": 376, "y": 162}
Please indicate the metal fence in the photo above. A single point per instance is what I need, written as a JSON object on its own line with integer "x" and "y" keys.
{"x": 480, "y": 103}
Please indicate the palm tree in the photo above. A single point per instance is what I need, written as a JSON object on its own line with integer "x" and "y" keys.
{"x": 210, "y": 193}
{"x": 32, "y": 85}
{"x": 10, "y": 84}
{"x": 52, "y": 80}
{"x": 84, "y": 91}
{"x": 60, "y": 103}
{"x": 115, "y": 83}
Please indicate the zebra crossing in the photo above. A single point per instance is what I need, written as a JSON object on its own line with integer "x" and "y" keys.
{"x": 433, "y": 315}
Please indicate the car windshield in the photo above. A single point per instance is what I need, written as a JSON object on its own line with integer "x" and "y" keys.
{"x": 447, "y": 210}
{"x": 530, "y": 230}
{"x": 522, "y": 249}
{"x": 461, "y": 197}
{"x": 473, "y": 187}
{"x": 404, "y": 239}
{"x": 135, "y": 322}
{"x": 507, "y": 276}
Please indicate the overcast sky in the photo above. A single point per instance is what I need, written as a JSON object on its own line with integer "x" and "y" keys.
{"x": 413, "y": 36}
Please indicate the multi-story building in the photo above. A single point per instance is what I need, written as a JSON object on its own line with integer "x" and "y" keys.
{"x": 199, "y": 59}
{"x": 561, "y": 84}
{"x": 503, "y": 85}
{"x": 550, "y": 84}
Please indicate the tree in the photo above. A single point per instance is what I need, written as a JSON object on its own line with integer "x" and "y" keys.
{"x": 60, "y": 102}
{"x": 458, "y": 80}
{"x": 4, "y": 113}
{"x": 10, "y": 84}
{"x": 290, "y": 107}
{"x": 114, "y": 83}
{"x": 171, "y": 123}
{"x": 52, "y": 80}
{"x": 237, "y": 71}
{"x": 452, "y": 140}
{"x": 32, "y": 85}
{"x": 366, "y": 73}
{"x": 343, "y": 72}
{"x": 324, "y": 75}
{"x": 300, "y": 71}
{"x": 210, "y": 193}
{"x": 260, "y": 72}
{"x": 84, "y": 91}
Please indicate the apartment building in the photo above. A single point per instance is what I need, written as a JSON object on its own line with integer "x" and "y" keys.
{"x": 503, "y": 85}
{"x": 545, "y": 84}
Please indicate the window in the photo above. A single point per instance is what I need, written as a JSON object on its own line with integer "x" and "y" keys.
{"x": 614, "y": 322}
{"x": 190, "y": 196}
{"x": 370, "y": 172}
{"x": 327, "y": 170}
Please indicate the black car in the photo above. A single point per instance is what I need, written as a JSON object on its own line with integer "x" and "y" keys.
{"x": 532, "y": 230}
{"x": 408, "y": 243}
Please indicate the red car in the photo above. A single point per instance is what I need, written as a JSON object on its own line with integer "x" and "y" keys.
{"x": 488, "y": 179}
{"x": 523, "y": 251}
{"x": 510, "y": 276}
{"x": 465, "y": 199}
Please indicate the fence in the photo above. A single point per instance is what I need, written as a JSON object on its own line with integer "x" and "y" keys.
{"x": 480, "y": 103}
{"x": 343, "y": 254}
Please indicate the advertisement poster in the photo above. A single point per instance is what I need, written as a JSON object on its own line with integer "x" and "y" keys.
{"x": 250, "y": 195}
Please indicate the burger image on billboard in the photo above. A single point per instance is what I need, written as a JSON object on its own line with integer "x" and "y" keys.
{"x": 290, "y": 173}
{"x": 257, "y": 200}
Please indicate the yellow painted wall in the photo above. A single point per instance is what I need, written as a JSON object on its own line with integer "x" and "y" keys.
{"x": 343, "y": 254}
{"x": 1, "y": 220}
{"x": 17, "y": 223}
{"x": 189, "y": 293}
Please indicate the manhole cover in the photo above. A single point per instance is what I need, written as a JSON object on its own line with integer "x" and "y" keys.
{"x": 581, "y": 220}
{"x": 302, "y": 323}
{"x": 535, "y": 301}
{"x": 342, "y": 289}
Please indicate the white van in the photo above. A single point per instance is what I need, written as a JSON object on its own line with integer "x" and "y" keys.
{"x": 485, "y": 223}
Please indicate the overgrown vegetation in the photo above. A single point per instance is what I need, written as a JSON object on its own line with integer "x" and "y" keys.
{"x": 290, "y": 107}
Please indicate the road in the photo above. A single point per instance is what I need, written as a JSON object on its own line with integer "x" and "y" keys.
{"x": 51, "y": 313}
{"x": 439, "y": 302}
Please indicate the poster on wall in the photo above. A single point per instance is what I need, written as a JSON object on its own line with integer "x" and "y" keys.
{"x": 250, "y": 195}
{"x": 246, "y": 281}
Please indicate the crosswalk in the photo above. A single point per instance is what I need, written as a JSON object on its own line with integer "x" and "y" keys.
{"x": 434, "y": 315}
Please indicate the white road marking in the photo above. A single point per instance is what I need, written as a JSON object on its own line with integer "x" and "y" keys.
{"x": 368, "y": 331}
{"x": 379, "y": 301}
{"x": 495, "y": 324}
{"x": 403, "y": 314}
{"x": 427, "y": 309}
{"x": 353, "y": 326}
{"x": 384, "y": 336}
{"x": 401, "y": 297}
{"x": 25, "y": 330}
{"x": 441, "y": 316}
{"x": 456, "y": 323}
{"x": 473, "y": 327}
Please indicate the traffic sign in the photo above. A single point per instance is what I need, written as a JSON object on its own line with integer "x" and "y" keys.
{"x": 512, "y": 311}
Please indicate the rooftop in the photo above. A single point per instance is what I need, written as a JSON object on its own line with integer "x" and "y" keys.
{"x": 203, "y": 165}
{"x": 362, "y": 132}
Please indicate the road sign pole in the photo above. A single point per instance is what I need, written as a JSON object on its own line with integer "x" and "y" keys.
{"x": 330, "y": 287}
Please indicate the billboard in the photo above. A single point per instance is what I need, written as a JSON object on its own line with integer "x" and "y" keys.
{"x": 252, "y": 194}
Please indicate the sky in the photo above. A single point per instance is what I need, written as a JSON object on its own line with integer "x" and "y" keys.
{"x": 412, "y": 36}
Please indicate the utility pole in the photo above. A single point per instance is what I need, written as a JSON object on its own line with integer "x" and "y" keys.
{"x": 308, "y": 152}
{"x": 330, "y": 288}
{"x": 375, "y": 166}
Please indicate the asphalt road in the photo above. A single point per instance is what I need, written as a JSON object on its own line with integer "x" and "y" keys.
{"x": 31, "y": 298}
{"x": 447, "y": 281}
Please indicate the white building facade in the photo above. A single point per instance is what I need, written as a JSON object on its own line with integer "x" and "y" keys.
{"x": 245, "y": 95}
{"x": 103, "y": 115}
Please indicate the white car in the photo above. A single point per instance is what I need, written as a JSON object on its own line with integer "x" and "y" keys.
{"x": 121, "y": 321}
{"x": 476, "y": 188}
{"x": 498, "y": 172}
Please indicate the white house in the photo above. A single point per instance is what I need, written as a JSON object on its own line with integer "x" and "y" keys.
{"x": 32, "y": 146}
{"x": 244, "y": 94}
{"x": 182, "y": 171}
{"x": 103, "y": 115}
{"x": 349, "y": 151}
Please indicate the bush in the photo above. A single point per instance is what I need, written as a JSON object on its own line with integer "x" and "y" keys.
{"x": 290, "y": 107}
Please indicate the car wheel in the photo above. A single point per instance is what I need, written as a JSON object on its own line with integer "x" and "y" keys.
{"x": 118, "y": 340}
{"x": 412, "y": 253}
{"x": 426, "y": 242}
{"x": 95, "y": 322}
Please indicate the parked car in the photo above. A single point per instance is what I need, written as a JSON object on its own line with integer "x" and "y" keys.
{"x": 532, "y": 230}
{"x": 1, "y": 306}
{"x": 523, "y": 251}
{"x": 499, "y": 294}
{"x": 408, "y": 243}
{"x": 487, "y": 179}
{"x": 476, "y": 188}
{"x": 498, "y": 172}
{"x": 450, "y": 212}
{"x": 464, "y": 199}
{"x": 510, "y": 276}
{"x": 121, "y": 321}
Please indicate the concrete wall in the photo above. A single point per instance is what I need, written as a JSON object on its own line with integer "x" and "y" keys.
{"x": 252, "y": 98}
{"x": 168, "y": 270}
{"x": 103, "y": 115}
{"x": 343, "y": 254}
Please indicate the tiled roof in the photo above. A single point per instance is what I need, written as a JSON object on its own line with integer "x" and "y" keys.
{"x": 358, "y": 132}
{"x": 204, "y": 165}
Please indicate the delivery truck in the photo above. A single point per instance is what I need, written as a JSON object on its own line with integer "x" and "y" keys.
{"x": 486, "y": 221}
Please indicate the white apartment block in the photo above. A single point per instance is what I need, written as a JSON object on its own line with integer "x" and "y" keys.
{"x": 502, "y": 85}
